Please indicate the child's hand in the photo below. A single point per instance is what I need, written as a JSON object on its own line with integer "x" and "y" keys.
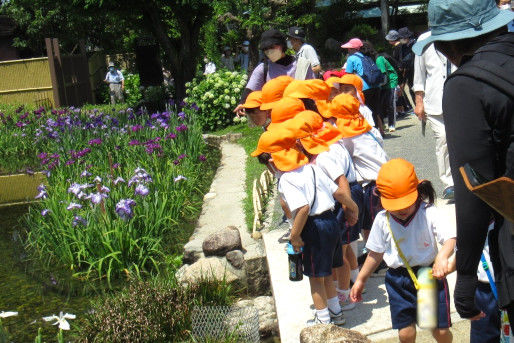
{"x": 441, "y": 267}
{"x": 351, "y": 214}
{"x": 297, "y": 243}
{"x": 478, "y": 316}
{"x": 356, "y": 292}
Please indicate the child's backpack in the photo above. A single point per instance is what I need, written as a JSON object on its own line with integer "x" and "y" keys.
{"x": 370, "y": 72}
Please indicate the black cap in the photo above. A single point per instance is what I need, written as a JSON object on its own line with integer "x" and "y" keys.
{"x": 296, "y": 32}
{"x": 270, "y": 38}
{"x": 404, "y": 32}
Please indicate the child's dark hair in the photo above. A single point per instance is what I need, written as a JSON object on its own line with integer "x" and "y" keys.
{"x": 426, "y": 191}
{"x": 264, "y": 158}
{"x": 251, "y": 110}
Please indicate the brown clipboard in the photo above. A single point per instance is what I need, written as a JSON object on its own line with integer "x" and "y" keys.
{"x": 498, "y": 193}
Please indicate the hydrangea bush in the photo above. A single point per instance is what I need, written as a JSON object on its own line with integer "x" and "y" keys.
{"x": 118, "y": 183}
{"x": 216, "y": 95}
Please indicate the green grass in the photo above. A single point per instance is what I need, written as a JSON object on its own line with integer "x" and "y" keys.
{"x": 253, "y": 167}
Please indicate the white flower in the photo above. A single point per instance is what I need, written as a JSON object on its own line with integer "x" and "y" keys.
{"x": 8, "y": 314}
{"x": 180, "y": 177}
{"x": 61, "y": 320}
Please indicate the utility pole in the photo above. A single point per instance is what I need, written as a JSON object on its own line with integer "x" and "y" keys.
{"x": 384, "y": 18}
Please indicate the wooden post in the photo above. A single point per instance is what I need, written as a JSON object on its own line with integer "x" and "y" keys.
{"x": 87, "y": 84}
{"x": 60, "y": 72}
{"x": 53, "y": 73}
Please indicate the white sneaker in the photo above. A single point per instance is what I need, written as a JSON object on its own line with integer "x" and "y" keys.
{"x": 337, "y": 318}
{"x": 316, "y": 320}
{"x": 392, "y": 129}
{"x": 345, "y": 302}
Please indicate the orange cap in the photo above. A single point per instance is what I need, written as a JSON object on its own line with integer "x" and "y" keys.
{"x": 322, "y": 139}
{"x": 273, "y": 90}
{"x": 314, "y": 89}
{"x": 254, "y": 100}
{"x": 343, "y": 105}
{"x": 323, "y": 108}
{"x": 289, "y": 159}
{"x": 333, "y": 82}
{"x": 398, "y": 184}
{"x": 356, "y": 81}
{"x": 286, "y": 108}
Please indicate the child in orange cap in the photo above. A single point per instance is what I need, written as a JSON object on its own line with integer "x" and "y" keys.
{"x": 310, "y": 195}
{"x": 256, "y": 116}
{"x": 411, "y": 222}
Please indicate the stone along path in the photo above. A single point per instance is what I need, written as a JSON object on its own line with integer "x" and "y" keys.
{"x": 371, "y": 317}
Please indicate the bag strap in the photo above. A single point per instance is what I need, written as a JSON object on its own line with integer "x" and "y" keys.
{"x": 315, "y": 187}
{"x": 485, "y": 265}
{"x": 489, "y": 73}
{"x": 266, "y": 68}
{"x": 402, "y": 256}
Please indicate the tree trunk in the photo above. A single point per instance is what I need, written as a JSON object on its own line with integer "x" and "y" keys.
{"x": 384, "y": 18}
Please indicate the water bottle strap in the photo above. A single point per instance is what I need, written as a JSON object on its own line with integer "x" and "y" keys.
{"x": 402, "y": 256}
{"x": 485, "y": 265}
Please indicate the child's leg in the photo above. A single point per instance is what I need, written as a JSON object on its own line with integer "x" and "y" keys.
{"x": 442, "y": 335}
{"x": 343, "y": 276}
{"x": 407, "y": 334}
{"x": 318, "y": 293}
{"x": 354, "y": 266}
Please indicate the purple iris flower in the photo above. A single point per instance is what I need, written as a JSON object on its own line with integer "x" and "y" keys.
{"x": 194, "y": 106}
{"x": 134, "y": 142}
{"x": 75, "y": 188}
{"x": 181, "y": 128}
{"x": 85, "y": 173}
{"x": 73, "y": 206}
{"x": 69, "y": 162}
{"x": 202, "y": 158}
{"x": 171, "y": 136}
{"x": 105, "y": 189}
{"x": 78, "y": 220}
{"x": 41, "y": 188}
{"x": 118, "y": 180}
{"x": 97, "y": 179}
{"x": 45, "y": 212}
{"x": 46, "y": 173}
{"x": 182, "y": 115}
{"x": 115, "y": 166}
{"x": 42, "y": 195}
{"x": 95, "y": 141}
{"x": 42, "y": 155}
{"x": 96, "y": 198}
{"x": 124, "y": 208}
{"x": 141, "y": 190}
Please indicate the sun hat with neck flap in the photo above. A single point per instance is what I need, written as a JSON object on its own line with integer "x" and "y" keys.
{"x": 345, "y": 108}
{"x": 286, "y": 108}
{"x": 273, "y": 90}
{"x": 314, "y": 89}
{"x": 281, "y": 145}
{"x": 397, "y": 183}
{"x": 253, "y": 100}
{"x": 450, "y": 20}
{"x": 356, "y": 81}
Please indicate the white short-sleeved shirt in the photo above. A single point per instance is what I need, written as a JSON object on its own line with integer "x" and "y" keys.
{"x": 368, "y": 115}
{"x": 367, "y": 155}
{"x": 418, "y": 239}
{"x": 308, "y": 52}
{"x": 297, "y": 189}
{"x": 336, "y": 162}
{"x": 115, "y": 77}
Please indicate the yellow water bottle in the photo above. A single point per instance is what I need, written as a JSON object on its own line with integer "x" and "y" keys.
{"x": 427, "y": 299}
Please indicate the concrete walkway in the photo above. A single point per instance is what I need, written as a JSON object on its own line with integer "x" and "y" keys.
{"x": 371, "y": 317}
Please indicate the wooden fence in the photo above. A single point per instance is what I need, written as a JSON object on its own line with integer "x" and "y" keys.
{"x": 26, "y": 81}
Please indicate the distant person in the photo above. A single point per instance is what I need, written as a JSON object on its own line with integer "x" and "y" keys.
{"x": 406, "y": 60}
{"x": 244, "y": 56}
{"x": 296, "y": 38}
{"x": 274, "y": 46}
{"x": 401, "y": 102}
{"x": 210, "y": 67}
{"x": 116, "y": 83}
{"x": 478, "y": 112}
{"x": 227, "y": 60}
{"x": 431, "y": 70}
{"x": 364, "y": 65}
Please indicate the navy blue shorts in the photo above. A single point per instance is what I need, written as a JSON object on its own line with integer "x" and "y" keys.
{"x": 322, "y": 243}
{"x": 371, "y": 205}
{"x": 487, "y": 329}
{"x": 403, "y": 299}
{"x": 351, "y": 233}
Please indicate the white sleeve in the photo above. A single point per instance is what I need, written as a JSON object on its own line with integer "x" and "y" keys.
{"x": 376, "y": 240}
{"x": 310, "y": 54}
{"x": 442, "y": 229}
{"x": 294, "y": 193}
{"x": 420, "y": 74}
{"x": 329, "y": 166}
{"x": 121, "y": 75}
{"x": 107, "y": 76}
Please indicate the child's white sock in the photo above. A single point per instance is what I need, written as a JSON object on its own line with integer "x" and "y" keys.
{"x": 333, "y": 305}
{"x": 353, "y": 274}
{"x": 323, "y": 315}
{"x": 344, "y": 293}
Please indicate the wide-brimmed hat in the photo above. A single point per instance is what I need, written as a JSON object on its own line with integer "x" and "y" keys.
{"x": 392, "y": 36}
{"x": 111, "y": 64}
{"x": 404, "y": 33}
{"x": 246, "y": 43}
{"x": 354, "y": 43}
{"x": 296, "y": 32}
{"x": 314, "y": 89}
{"x": 450, "y": 20}
{"x": 253, "y": 100}
{"x": 273, "y": 90}
{"x": 397, "y": 183}
{"x": 286, "y": 108}
{"x": 270, "y": 38}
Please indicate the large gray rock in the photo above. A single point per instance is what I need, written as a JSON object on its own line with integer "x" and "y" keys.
{"x": 192, "y": 251}
{"x": 265, "y": 306}
{"x": 236, "y": 258}
{"x": 331, "y": 334}
{"x": 257, "y": 270}
{"x": 221, "y": 242}
{"x": 212, "y": 268}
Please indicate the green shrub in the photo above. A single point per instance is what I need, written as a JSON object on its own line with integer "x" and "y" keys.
{"x": 133, "y": 94}
{"x": 216, "y": 95}
{"x": 363, "y": 31}
{"x": 155, "y": 311}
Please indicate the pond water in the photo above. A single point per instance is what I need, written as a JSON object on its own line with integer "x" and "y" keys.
{"x": 19, "y": 291}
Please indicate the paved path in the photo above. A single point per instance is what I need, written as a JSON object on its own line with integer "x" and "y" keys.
{"x": 372, "y": 316}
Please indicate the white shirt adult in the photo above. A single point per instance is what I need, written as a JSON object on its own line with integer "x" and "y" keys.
{"x": 308, "y": 52}
{"x": 297, "y": 189}
{"x": 115, "y": 76}
{"x": 430, "y": 73}
{"x": 417, "y": 239}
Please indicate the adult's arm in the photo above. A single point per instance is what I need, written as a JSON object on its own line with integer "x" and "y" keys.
{"x": 419, "y": 82}
{"x": 469, "y": 137}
